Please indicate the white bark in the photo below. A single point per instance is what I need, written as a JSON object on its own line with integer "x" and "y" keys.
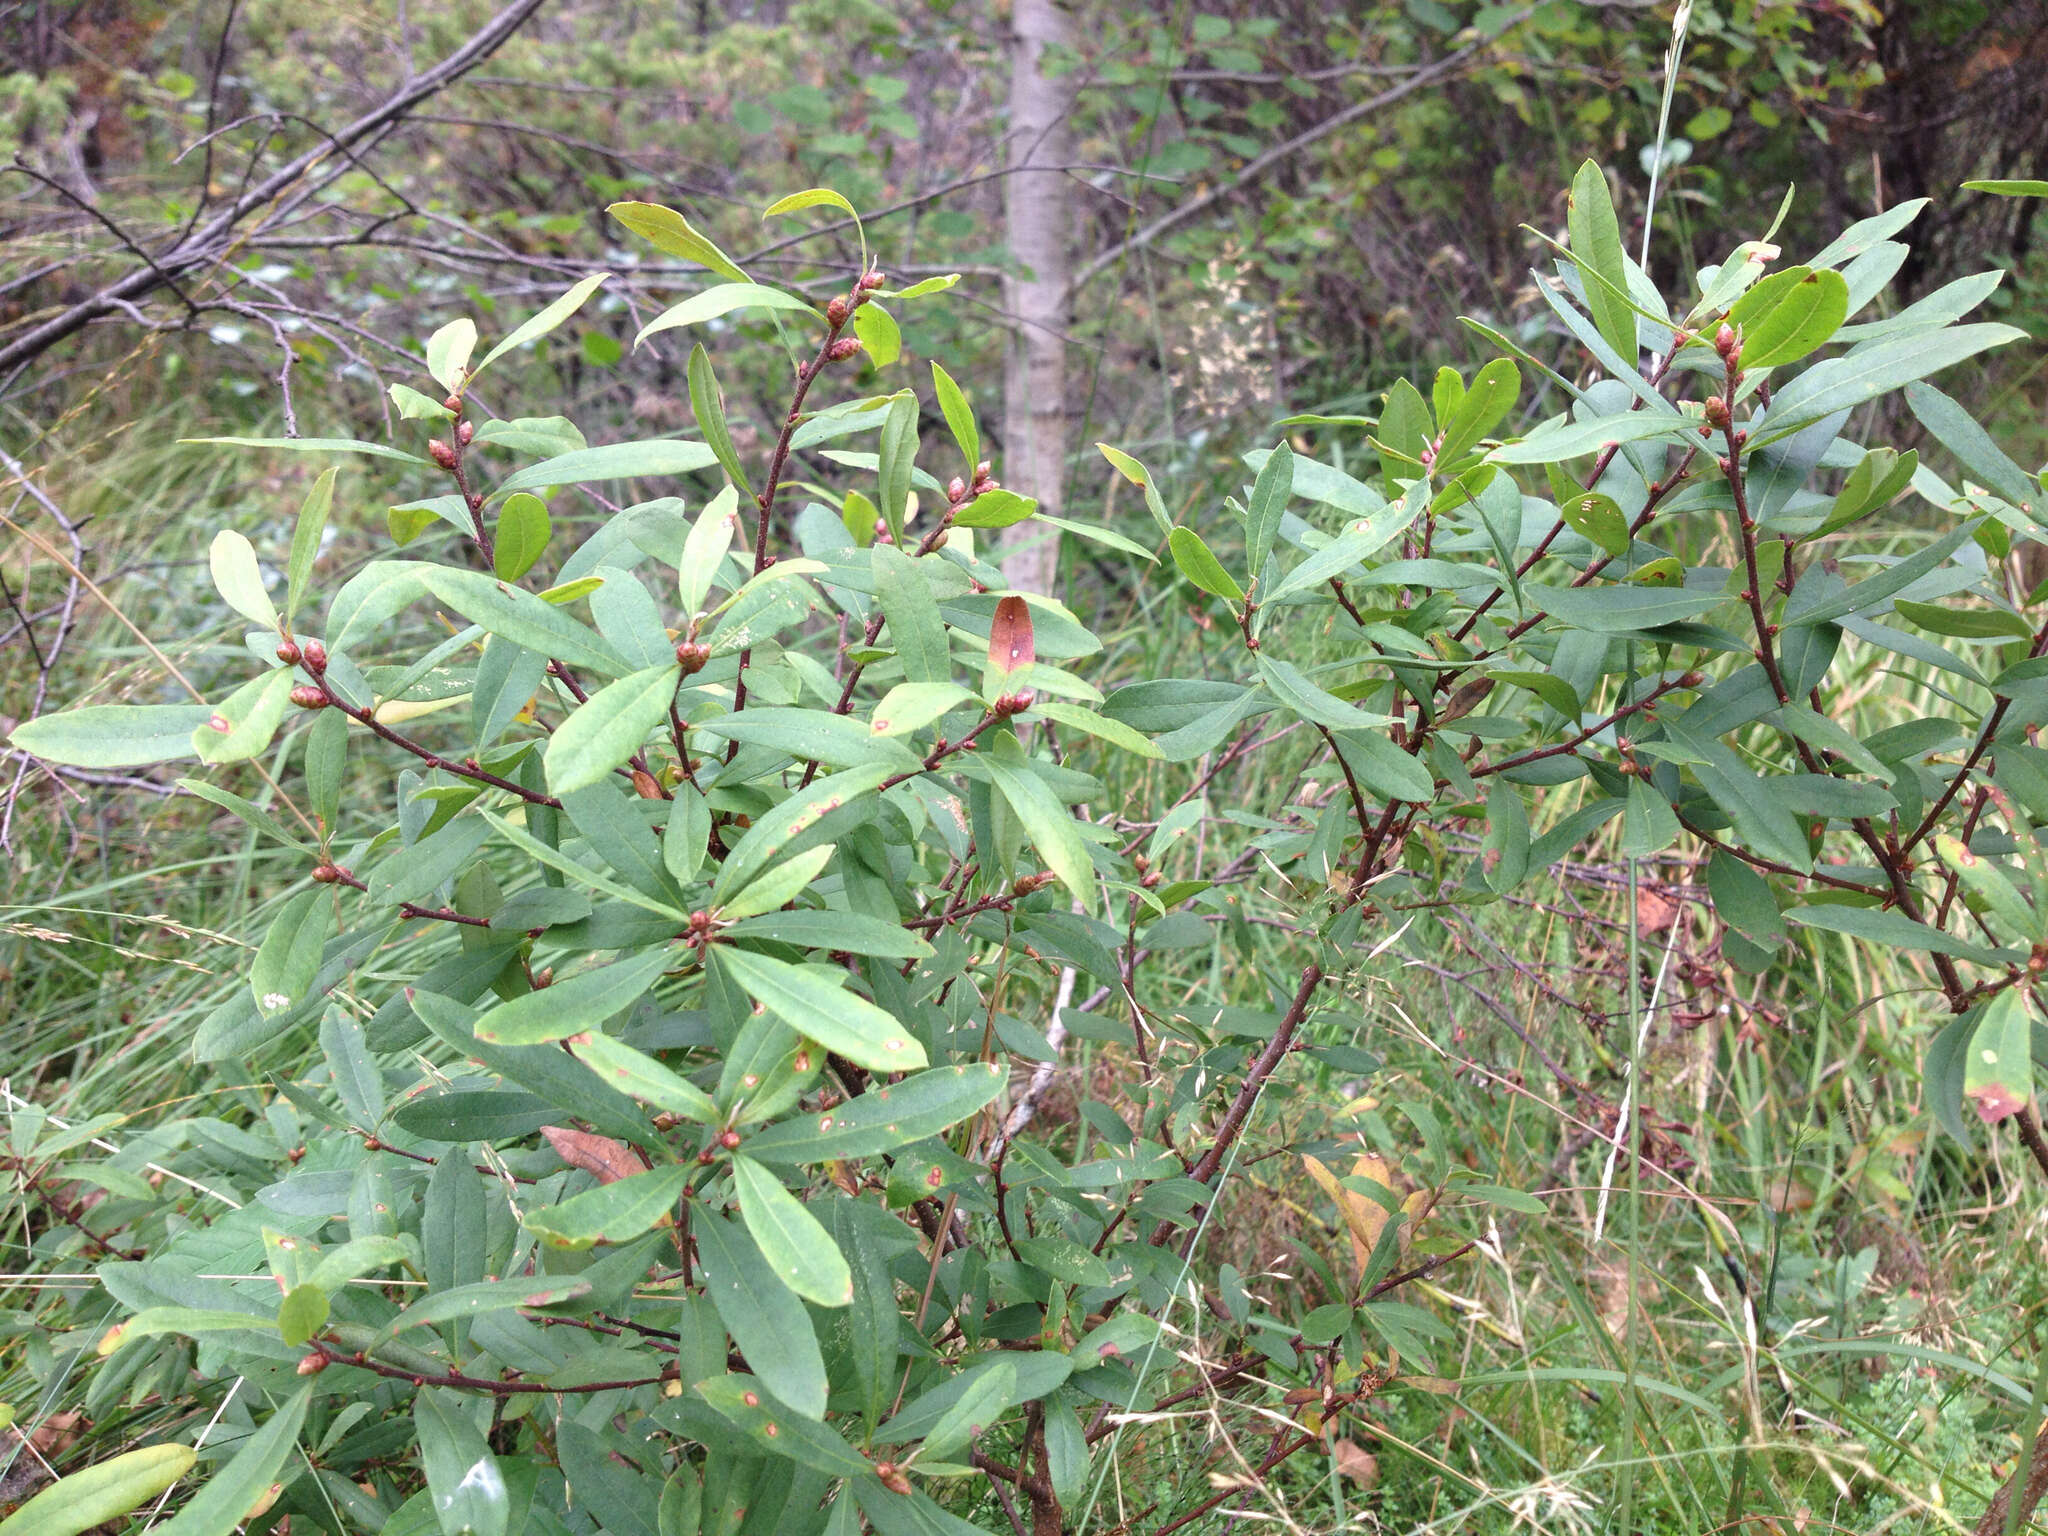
{"x": 1038, "y": 215}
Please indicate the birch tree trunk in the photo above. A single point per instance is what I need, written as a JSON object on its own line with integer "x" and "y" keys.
{"x": 1038, "y": 216}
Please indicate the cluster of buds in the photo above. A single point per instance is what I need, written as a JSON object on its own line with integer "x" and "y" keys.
{"x": 1024, "y": 885}
{"x": 309, "y": 696}
{"x": 692, "y": 656}
{"x": 1728, "y": 344}
{"x": 1009, "y": 704}
{"x": 328, "y": 874}
{"x": 727, "y": 1140}
{"x": 698, "y": 933}
{"x": 892, "y": 1477}
{"x": 1148, "y": 877}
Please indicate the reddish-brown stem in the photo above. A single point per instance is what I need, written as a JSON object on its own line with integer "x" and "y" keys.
{"x": 431, "y": 758}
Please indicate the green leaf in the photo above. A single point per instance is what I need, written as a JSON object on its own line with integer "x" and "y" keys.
{"x": 1596, "y": 518}
{"x": 1964, "y": 623}
{"x": 1789, "y": 314}
{"x": 1743, "y": 900}
{"x": 1308, "y": 699}
{"x": 1192, "y": 556}
{"x": 764, "y": 1317}
{"x": 611, "y": 1213}
{"x": 721, "y": 300}
{"x": 479, "y": 1297}
{"x": 915, "y": 628}
{"x": 242, "y": 725}
{"x": 911, "y": 706}
{"x": 898, "y": 453}
{"x": 314, "y": 445}
{"x": 750, "y": 1407}
{"x": 301, "y": 1314}
{"x": 959, "y": 416}
{"x": 614, "y": 461}
{"x": 1596, "y": 245}
{"x": 524, "y": 618}
{"x": 1894, "y": 930}
{"x": 799, "y": 1250}
{"x": 774, "y": 833}
{"x": 415, "y": 872}
{"x": 1263, "y": 512}
{"x": 1871, "y": 370}
{"x": 282, "y": 972}
{"x": 879, "y": 334}
{"x": 825, "y": 1011}
{"x": 608, "y": 728}
{"x": 2006, "y": 188}
{"x": 1557, "y": 441}
{"x": 448, "y": 351}
{"x": 540, "y": 324}
{"x": 668, "y": 231}
{"x": 522, "y": 536}
{"x": 1141, "y": 477}
{"x": 1998, "y": 1065}
{"x": 225, "y": 1500}
{"x": 707, "y": 404}
{"x": 630, "y": 1071}
{"x": 1495, "y": 389}
{"x": 476, "y": 1114}
{"x": 778, "y": 885}
{"x": 1358, "y": 541}
{"x": 1115, "y": 732}
{"x": 988, "y": 1397}
{"x": 306, "y": 535}
{"x": 810, "y": 197}
{"x": 101, "y": 1493}
{"x": 238, "y": 580}
{"x": 884, "y": 1118}
{"x": 1972, "y": 446}
{"x": 1386, "y": 769}
{"x": 574, "y": 1005}
{"x": 704, "y": 550}
{"x": 1990, "y": 885}
{"x": 852, "y": 933}
{"x": 995, "y": 509}
{"x": 113, "y": 735}
{"x": 1047, "y": 823}
{"x": 1621, "y": 608}
{"x": 467, "y": 1489}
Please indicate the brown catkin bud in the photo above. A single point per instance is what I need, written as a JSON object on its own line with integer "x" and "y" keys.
{"x": 870, "y": 281}
{"x": 314, "y": 654}
{"x": 313, "y": 1364}
{"x": 326, "y": 874}
{"x": 729, "y": 1140}
{"x": 1692, "y": 679}
{"x": 288, "y": 652}
{"x": 442, "y": 453}
{"x": 465, "y": 432}
{"x": 956, "y": 489}
{"x": 835, "y": 312}
{"x": 306, "y": 696}
{"x": 842, "y": 349}
{"x": 1727, "y": 343}
{"x": 1717, "y": 413}
{"x": 692, "y": 656}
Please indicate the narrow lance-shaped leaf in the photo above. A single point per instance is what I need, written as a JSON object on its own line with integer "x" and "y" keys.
{"x": 1596, "y": 243}
{"x": 838, "y": 1019}
{"x": 764, "y": 1317}
{"x": 545, "y": 321}
{"x": 306, "y": 536}
{"x": 238, "y": 579}
{"x": 883, "y": 1118}
{"x": 228, "y": 1496}
{"x": 608, "y": 728}
{"x": 800, "y": 1250}
{"x": 574, "y": 1005}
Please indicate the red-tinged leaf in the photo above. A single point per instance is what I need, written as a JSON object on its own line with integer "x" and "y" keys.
{"x": 610, "y": 1160}
{"x": 1010, "y": 645}
{"x": 1998, "y": 1062}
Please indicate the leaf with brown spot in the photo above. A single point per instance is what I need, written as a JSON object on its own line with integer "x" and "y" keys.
{"x": 1364, "y": 1218}
{"x": 1010, "y": 642}
{"x": 610, "y": 1160}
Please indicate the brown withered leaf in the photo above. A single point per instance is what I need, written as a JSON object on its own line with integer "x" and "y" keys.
{"x": 1356, "y": 1462}
{"x": 610, "y": 1160}
{"x": 1364, "y": 1219}
{"x": 1010, "y": 642}
{"x": 1655, "y": 911}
